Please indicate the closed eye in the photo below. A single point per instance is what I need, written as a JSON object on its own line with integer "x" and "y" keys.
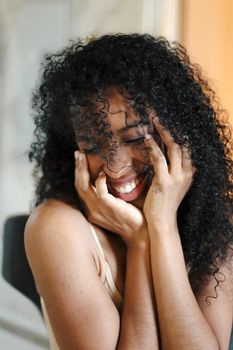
{"x": 134, "y": 141}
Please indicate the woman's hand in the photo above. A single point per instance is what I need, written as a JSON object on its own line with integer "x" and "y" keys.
{"x": 171, "y": 180}
{"x": 105, "y": 210}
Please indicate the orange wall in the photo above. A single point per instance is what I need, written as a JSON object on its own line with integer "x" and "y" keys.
{"x": 207, "y": 33}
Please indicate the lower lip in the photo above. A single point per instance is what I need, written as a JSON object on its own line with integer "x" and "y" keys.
{"x": 136, "y": 193}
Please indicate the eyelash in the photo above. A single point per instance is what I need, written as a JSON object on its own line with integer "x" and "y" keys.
{"x": 135, "y": 141}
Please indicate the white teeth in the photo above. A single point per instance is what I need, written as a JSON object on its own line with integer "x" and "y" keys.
{"x": 129, "y": 187}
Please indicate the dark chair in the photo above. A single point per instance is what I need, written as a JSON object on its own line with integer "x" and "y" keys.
{"x": 15, "y": 268}
{"x": 231, "y": 341}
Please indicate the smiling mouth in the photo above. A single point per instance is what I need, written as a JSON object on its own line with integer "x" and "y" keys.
{"x": 129, "y": 186}
{"x": 131, "y": 190}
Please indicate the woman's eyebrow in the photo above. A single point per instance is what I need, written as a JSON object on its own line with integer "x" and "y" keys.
{"x": 126, "y": 128}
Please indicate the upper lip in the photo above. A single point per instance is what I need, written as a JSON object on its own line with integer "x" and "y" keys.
{"x": 128, "y": 179}
{"x": 118, "y": 182}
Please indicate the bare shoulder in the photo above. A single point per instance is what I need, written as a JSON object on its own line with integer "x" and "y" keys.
{"x": 220, "y": 284}
{"x": 55, "y": 233}
{"x": 54, "y": 212}
{"x": 216, "y": 302}
{"x": 53, "y": 222}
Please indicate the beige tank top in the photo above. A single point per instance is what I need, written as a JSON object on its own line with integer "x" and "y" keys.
{"x": 107, "y": 279}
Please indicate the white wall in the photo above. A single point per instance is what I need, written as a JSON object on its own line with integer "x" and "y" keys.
{"x": 28, "y": 29}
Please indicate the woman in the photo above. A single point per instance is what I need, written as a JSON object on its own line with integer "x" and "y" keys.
{"x": 131, "y": 245}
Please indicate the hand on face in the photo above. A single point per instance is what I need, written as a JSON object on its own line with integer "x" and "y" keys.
{"x": 172, "y": 179}
{"x": 102, "y": 208}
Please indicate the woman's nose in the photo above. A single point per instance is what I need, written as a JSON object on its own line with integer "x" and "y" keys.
{"x": 117, "y": 162}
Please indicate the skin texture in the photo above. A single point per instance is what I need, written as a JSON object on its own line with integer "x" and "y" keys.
{"x": 141, "y": 233}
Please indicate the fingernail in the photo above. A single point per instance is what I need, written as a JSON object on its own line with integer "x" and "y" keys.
{"x": 81, "y": 156}
{"x": 76, "y": 155}
{"x": 101, "y": 173}
{"x": 148, "y": 137}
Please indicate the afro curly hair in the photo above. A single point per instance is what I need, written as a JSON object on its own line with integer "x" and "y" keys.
{"x": 157, "y": 73}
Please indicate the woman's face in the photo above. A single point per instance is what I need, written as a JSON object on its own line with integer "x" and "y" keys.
{"x": 124, "y": 159}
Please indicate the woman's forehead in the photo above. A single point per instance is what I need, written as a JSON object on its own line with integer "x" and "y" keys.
{"x": 113, "y": 113}
{"x": 120, "y": 112}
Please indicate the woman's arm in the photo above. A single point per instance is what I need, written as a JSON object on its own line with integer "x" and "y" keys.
{"x": 138, "y": 321}
{"x": 183, "y": 320}
{"x": 186, "y": 322}
{"x": 138, "y": 329}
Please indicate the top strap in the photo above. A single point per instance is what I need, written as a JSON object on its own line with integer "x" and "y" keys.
{"x": 97, "y": 240}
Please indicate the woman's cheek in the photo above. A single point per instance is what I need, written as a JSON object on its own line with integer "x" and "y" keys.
{"x": 95, "y": 166}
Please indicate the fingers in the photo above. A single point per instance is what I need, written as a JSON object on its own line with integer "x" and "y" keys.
{"x": 178, "y": 156}
{"x": 101, "y": 185}
{"x": 157, "y": 157}
{"x": 187, "y": 161}
{"x": 173, "y": 149}
{"x": 82, "y": 177}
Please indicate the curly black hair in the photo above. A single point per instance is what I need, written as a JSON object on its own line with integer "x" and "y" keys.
{"x": 155, "y": 73}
